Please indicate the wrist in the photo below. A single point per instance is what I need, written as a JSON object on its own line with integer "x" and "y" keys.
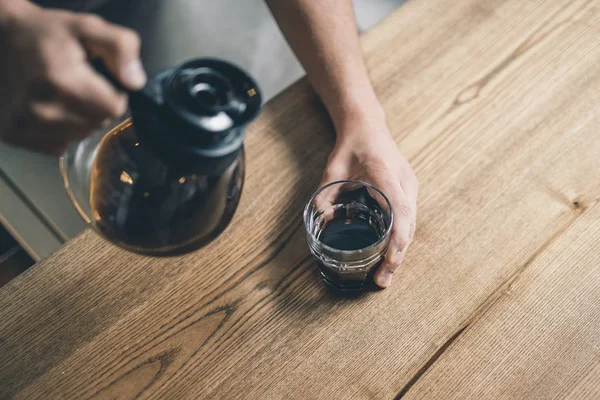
{"x": 360, "y": 119}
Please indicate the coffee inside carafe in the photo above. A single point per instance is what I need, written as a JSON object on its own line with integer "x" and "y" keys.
{"x": 164, "y": 210}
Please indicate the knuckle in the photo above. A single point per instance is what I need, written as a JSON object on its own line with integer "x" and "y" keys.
{"x": 391, "y": 268}
{"x": 404, "y": 210}
{"x": 334, "y": 171}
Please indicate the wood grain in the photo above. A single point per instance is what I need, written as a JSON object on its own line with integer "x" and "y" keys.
{"x": 540, "y": 338}
{"x": 495, "y": 103}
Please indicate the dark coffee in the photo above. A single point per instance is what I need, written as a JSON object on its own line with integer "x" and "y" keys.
{"x": 349, "y": 234}
{"x": 355, "y": 226}
{"x": 149, "y": 206}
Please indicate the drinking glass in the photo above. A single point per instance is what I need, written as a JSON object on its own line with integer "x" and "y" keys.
{"x": 348, "y": 226}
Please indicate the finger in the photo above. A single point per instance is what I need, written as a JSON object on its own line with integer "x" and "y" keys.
{"x": 401, "y": 233}
{"x": 86, "y": 93}
{"x": 385, "y": 273}
{"x": 118, "y": 47}
{"x": 325, "y": 200}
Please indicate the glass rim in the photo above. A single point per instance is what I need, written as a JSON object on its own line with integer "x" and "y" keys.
{"x": 384, "y": 237}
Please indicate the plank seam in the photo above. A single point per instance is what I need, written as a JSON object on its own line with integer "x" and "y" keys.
{"x": 496, "y": 295}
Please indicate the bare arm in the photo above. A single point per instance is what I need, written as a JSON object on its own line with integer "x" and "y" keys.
{"x": 324, "y": 37}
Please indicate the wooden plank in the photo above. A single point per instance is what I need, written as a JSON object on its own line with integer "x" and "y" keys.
{"x": 541, "y": 339}
{"x": 588, "y": 387}
{"x": 480, "y": 95}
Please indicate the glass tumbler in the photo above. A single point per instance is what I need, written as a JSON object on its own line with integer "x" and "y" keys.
{"x": 348, "y": 226}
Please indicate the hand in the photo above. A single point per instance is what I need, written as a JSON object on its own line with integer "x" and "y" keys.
{"x": 367, "y": 152}
{"x": 50, "y": 94}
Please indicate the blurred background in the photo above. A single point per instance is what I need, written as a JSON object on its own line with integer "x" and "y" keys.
{"x": 36, "y": 217}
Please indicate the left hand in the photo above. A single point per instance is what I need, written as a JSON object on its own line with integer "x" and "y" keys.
{"x": 367, "y": 152}
{"x": 50, "y": 93}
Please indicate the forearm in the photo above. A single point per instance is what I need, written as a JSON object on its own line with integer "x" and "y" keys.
{"x": 324, "y": 37}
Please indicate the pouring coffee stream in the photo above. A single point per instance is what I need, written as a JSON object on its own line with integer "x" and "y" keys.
{"x": 168, "y": 180}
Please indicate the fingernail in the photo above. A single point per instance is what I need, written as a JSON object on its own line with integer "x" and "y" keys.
{"x": 134, "y": 74}
{"x": 384, "y": 279}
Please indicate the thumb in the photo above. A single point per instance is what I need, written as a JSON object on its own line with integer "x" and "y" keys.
{"x": 118, "y": 47}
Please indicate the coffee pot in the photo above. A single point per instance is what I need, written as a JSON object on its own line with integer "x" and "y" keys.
{"x": 168, "y": 179}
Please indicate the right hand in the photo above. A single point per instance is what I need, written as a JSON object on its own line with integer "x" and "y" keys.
{"x": 49, "y": 93}
{"x": 366, "y": 151}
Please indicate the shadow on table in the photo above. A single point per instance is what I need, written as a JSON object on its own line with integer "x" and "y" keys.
{"x": 293, "y": 272}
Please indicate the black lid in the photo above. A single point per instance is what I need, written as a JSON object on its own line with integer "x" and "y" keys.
{"x": 199, "y": 109}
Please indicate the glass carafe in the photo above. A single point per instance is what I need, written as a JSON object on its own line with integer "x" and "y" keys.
{"x": 168, "y": 179}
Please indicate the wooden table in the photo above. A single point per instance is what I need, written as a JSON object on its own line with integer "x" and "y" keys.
{"x": 497, "y": 106}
